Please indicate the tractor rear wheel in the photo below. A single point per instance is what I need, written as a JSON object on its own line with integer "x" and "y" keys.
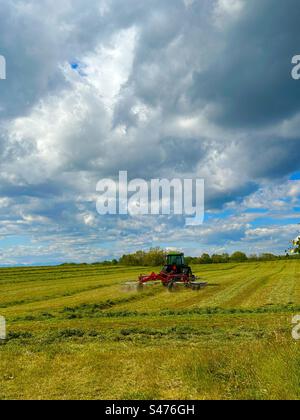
{"x": 171, "y": 286}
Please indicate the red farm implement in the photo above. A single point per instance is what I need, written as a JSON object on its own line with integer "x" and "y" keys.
{"x": 173, "y": 275}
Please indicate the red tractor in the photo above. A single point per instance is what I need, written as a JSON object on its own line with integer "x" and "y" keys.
{"x": 175, "y": 273}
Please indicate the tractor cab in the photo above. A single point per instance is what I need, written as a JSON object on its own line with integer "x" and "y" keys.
{"x": 175, "y": 259}
{"x": 175, "y": 263}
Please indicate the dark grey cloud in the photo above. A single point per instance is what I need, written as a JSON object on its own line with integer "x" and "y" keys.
{"x": 271, "y": 158}
{"x": 248, "y": 77}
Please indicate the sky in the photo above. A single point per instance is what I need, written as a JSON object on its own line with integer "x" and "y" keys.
{"x": 162, "y": 89}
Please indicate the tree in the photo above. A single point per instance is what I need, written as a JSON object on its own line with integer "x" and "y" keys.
{"x": 296, "y": 246}
{"x": 191, "y": 260}
{"x": 268, "y": 257}
{"x": 205, "y": 259}
{"x": 217, "y": 259}
{"x": 239, "y": 257}
{"x": 154, "y": 257}
{"x": 226, "y": 258}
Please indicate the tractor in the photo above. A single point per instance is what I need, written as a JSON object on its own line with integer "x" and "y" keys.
{"x": 175, "y": 273}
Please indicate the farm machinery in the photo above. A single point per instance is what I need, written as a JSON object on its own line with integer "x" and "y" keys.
{"x": 174, "y": 274}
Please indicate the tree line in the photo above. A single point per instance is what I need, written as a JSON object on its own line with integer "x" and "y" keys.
{"x": 155, "y": 257}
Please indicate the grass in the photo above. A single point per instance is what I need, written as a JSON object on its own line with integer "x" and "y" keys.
{"x": 73, "y": 333}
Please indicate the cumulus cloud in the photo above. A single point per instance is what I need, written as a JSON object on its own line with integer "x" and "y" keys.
{"x": 192, "y": 89}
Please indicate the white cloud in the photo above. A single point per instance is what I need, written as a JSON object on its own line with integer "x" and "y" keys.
{"x": 227, "y": 10}
{"x": 132, "y": 102}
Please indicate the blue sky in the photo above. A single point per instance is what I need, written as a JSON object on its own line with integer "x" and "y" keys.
{"x": 160, "y": 88}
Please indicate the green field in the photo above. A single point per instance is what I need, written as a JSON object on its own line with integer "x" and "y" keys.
{"x": 73, "y": 333}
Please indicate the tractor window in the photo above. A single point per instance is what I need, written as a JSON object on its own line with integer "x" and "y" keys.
{"x": 175, "y": 260}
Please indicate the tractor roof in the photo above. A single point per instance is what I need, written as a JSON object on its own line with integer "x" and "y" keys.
{"x": 179, "y": 254}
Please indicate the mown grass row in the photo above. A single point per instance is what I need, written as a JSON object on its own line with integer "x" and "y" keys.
{"x": 86, "y": 311}
{"x": 74, "y": 333}
{"x": 139, "y": 335}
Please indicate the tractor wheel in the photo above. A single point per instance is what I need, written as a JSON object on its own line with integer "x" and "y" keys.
{"x": 171, "y": 286}
{"x": 140, "y": 287}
